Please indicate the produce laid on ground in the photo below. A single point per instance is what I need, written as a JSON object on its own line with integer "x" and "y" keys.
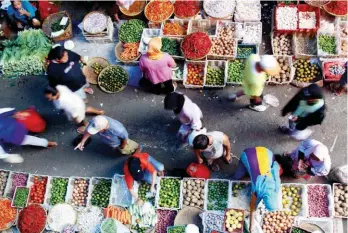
{"x": 285, "y": 71}
{"x": 245, "y": 51}
{"x": 196, "y": 45}
{"x": 20, "y": 197}
{"x": 171, "y": 46}
{"x": 298, "y": 230}
{"x": 219, "y": 9}
{"x": 286, "y": 18}
{"x": 176, "y": 229}
{"x": 32, "y": 219}
{"x": 337, "y": 8}
{"x": 8, "y": 214}
{"x": 318, "y": 201}
{"x": 234, "y": 220}
{"x": 195, "y": 74}
{"x": 225, "y": 43}
{"x": 109, "y": 226}
{"x": 120, "y": 214}
{"x": 235, "y": 71}
{"x": 341, "y": 200}
{"x": 101, "y": 193}
{"x": 169, "y": 193}
{"x": 38, "y": 190}
{"x": 17, "y": 179}
{"x": 121, "y": 194}
{"x": 88, "y": 219}
{"x": 113, "y": 79}
{"x": 215, "y": 75}
{"x": 80, "y": 192}
{"x": 186, "y": 8}
{"x": 307, "y": 20}
{"x": 130, "y": 51}
{"x": 60, "y": 216}
{"x": 58, "y": 190}
{"x": 327, "y": 44}
{"x": 144, "y": 188}
{"x": 56, "y": 26}
{"x": 306, "y": 45}
{"x": 292, "y": 199}
{"x": 3, "y": 180}
{"x": 193, "y": 191}
{"x": 131, "y": 31}
{"x": 306, "y": 71}
{"x": 159, "y": 10}
{"x": 277, "y": 222}
{"x": 252, "y": 33}
{"x": 213, "y": 221}
{"x": 247, "y": 11}
{"x": 282, "y": 44}
{"x": 95, "y": 22}
{"x": 174, "y": 29}
{"x": 217, "y": 195}
{"x": 165, "y": 219}
{"x": 144, "y": 215}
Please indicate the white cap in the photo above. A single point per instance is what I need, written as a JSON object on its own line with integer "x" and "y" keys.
{"x": 191, "y": 228}
{"x": 97, "y": 124}
{"x": 321, "y": 152}
{"x": 270, "y": 64}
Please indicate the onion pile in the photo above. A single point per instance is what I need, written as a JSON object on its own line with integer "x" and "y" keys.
{"x": 318, "y": 201}
{"x": 277, "y": 222}
{"x": 165, "y": 219}
{"x": 80, "y": 192}
{"x": 282, "y": 44}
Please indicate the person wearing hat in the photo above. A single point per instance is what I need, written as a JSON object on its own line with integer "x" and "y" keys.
{"x": 255, "y": 75}
{"x": 307, "y": 108}
{"x": 189, "y": 114}
{"x": 142, "y": 167}
{"x": 111, "y": 132}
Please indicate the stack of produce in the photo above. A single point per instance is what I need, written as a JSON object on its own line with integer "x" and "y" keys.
{"x": 215, "y": 75}
{"x": 130, "y": 51}
{"x": 213, "y": 221}
{"x": 21, "y": 196}
{"x": 97, "y": 67}
{"x": 139, "y": 229}
{"x": 307, "y": 20}
{"x": 235, "y": 71}
{"x": 246, "y": 11}
{"x": 195, "y": 74}
{"x": 80, "y": 192}
{"x": 318, "y": 201}
{"x": 25, "y": 55}
{"x": 234, "y": 221}
{"x": 245, "y": 51}
{"x": 3, "y": 181}
{"x": 292, "y": 199}
{"x": 341, "y": 200}
{"x": 196, "y": 45}
{"x": 282, "y": 44}
{"x": 88, "y": 219}
{"x": 58, "y": 191}
{"x": 32, "y": 219}
{"x": 101, "y": 193}
{"x": 109, "y": 226}
{"x": 241, "y": 195}
{"x": 173, "y": 28}
{"x": 171, "y": 46}
{"x": 144, "y": 215}
{"x": 18, "y": 179}
{"x": 306, "y": 71}
{"x": 165, "y": 219}
{"x": 176, "y": 229}
{"x": 186, "y": 8}
{"x": 286, "y": 18}
{"x": 8, "y": 214}
{"x": 277, "y": 222}
{"x": 120, "y": 214}
{"x": 306, "y": 45}
{"x": 113, "y": 79}
{"x": 225, "y": 43}
{"x": 169, "y": 193}
{"x": 38, "y": 190}
{"x": 95, "y": 22}
{"x": 252, "y": 33}
{"x": 60, "y": 216}
{"x": 337, "y": 8}
{"x": 217, "y": 195}
{"x": 327, "y": 45}
{"x": 131, "y": 31}
{"x": 159, "y": 10}
{"x": 219, "y": 8}
{"x": 285, "y": 69}
{"x": 193, "y": 190}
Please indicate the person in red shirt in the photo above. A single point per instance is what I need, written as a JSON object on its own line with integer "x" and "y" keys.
{"x": 142, "y": 167}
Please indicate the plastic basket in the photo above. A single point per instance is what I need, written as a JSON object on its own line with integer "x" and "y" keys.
{"x": 214, "y": 64}
{"x": 304, "y": 208}
{"x": 30, "y": 183}
{"x": 207, "y": 192}
{"x": 120, "y": 196}
{"x": 276, "y": 21}
{"x": 307, "y": 8}
{"x": 241, "y": 15}
{"x": 255, "y": 49}
{"x": 9, "y": 190}
{"x": 206, "y": 228}
{"x": 324, "y": 62}
{"x": 184, "y": 195}
{"x": 71, "y": 187}
{"x": 275, "y": 51}
{"x": 186, "y": 72}
{"x": 321, "y": 53}
{"x": 330, "y": 198}
{"x": 159, "y": 190}
{"x": 48, "y": 194}
{"x": 258, "y": 26}
{"x": 146, "y": 36}
{"x": 92, "y": 183}
{"x": 271, "y": 79}
{"x": 306, "y": 36}
{"x": 334, "y": 190}
{"x": 182, "y": 22}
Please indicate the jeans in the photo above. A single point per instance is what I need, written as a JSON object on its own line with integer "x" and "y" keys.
{"x": 157, "y": 165}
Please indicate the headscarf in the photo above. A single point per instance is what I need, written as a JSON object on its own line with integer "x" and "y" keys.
{"x": 174, "y": 101}
{"x": 270, "y": 65}
{"x": 154, "y": 48}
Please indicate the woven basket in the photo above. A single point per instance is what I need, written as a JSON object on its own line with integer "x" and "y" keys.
{"x": 159, "y": 21}
{"x": 11, "y": 223}
{"x": 325, "y": 8}
{"x": 316, "y": 3}
{"x": 119, "y": 50}
{"x": 22, "y": 210}
{"x": 110, "y": 92}
{"x": 138, "y": 8}
{"x": 46, "y": 26}
{"x": 88, "y": 71}
{"x": 91, "y": 13}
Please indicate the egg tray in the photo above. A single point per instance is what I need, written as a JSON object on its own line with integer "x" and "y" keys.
{"x": 304, "y": 199}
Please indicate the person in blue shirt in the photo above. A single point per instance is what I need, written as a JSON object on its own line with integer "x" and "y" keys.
{"x": 22, "y": 14}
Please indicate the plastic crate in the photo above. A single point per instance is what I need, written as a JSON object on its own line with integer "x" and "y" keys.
{"x": 337, "y": 41}
{"x": 92, "y": 183}
{"x": 31, "y": 182}
{"x": 203, "y": 25}
{"x": 159, "y": 190}
{"x": 192, "y": 179}
{"x": 306, "y": 36}
{"x": 8, "y": 190}
{"x": 308, "y": 8}
{"x": 304, "y": 207}
{"x": 146, "y": 36}
{"x": 240, "y": 202}
{"x": 257, "y": 25}
{"x": 120, "y": 195}
{"x": 334, "y": 185}
{"x": 240, "y": 14}
{"x": 186, "y": 72}
{"x": 318, "y": 80}
{"x": 255, "y": 49}
{"x": 276, "y": 21}
{"x": 324, "y": 62}
{"x": 276, "y": 53}
{"x": 207, "y": 192}
{"x": 238, "y": 26}
{"x": 7, "y": 179}
{"x": 291, "y": 74}
{"x": 14, "y": 195}
{"x": 182, "y": 22}
{"x": 216, "y": 63}
{"x": 236, "y": 230}
{"x": 329, "y": 197}
{"x": 207, "y": 229}
{"x": 48, "y": 194}
{"x": 326, "y": 224}
{"x": 70, "y": 190}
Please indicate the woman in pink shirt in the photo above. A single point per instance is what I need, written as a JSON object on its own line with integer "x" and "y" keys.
{"x": 157, "y": 69}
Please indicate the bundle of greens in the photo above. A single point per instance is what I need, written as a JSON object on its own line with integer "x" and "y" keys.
{"x": 56, "y": 27}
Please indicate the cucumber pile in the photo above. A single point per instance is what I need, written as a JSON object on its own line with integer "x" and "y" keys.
{"x": 113, "y": 79}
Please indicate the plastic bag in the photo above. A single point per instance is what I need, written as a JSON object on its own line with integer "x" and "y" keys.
{"x": 339, "y": 174}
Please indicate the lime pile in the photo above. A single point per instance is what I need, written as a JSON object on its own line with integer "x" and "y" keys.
{"x": 113, "y": 79}
{"x": 217, "y": 195}
{"x": 291, "y": 199}
{"x": 215, "y": 76}
{"x": 169, "y": 193}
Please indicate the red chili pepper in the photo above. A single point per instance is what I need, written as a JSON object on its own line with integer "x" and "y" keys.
{"x": 337, "y": 8}
{"x": 32, "y": 219}
{"x": 196, "y": 45}
{"x": 186, "y": 8}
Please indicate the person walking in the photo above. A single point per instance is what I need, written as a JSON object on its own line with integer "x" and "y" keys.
{"x": 111, "y": 132}
{"x": 211, "y": 146}
{"x": 307, "y": 108}
{"x": 255, "y": 75}
{"x": 72, "y": 104}
{"x": 14, "y": 132}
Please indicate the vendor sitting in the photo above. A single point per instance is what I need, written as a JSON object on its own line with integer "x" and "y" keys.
{"x": 260, "y": 164}
{"x": 142, "y": 167}
{"x": 22, "y": 14}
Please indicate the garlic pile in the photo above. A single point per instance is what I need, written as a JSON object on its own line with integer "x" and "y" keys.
{"x": 252, "y": 33}
{"x": 247, "y": 11}
{"x": 307, "y": 20}
{"x": 327, "y": 23}
{"x": 95, "y": 23}
{"x": 219, "y": 8}
{"x": 286, "y": 18}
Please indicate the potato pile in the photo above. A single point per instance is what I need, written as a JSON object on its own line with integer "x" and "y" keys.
{"x": 291, "y": 199}
{"x": 234, "y": 220}
{"x": 282, "y": 44}
{"x": 3, "y": 180}
{"x": 80, "y": 192}
{"x": 341, "y": 200}
{"x": 277, "y": 222}
{"x": 284, "y": 75}
{"x": 194, "y": 192}
{"x": 225, "y": 43}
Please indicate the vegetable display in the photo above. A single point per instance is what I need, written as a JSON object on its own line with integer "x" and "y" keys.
{"x": 7, "y": 213}
{"x": 252, "y": 33}
{"x": 58, "y": 191}
{"x": 306, "y": 71}
{"x": 144, "y": 188}
{"x": 306, "y": 45}
{"x": 56, "y": 26}
{"x": 196, "y": 45}
{"x": 122, "y": 196}
{"x": 247, "y": 11}
{"x": 140, "y": 229}
{"x": 32, "y": 219}
{"x": 341, "y": 200}
{"x": 225, "y": 43}
{"x": 113, "y": 79}
{"x": 3, "y": 181}
{"x": 88, "y": 219}
{"x": 120, "y": 214}
{"x": 97, "y": 67}
{"x": 144, "y": 215}
{"x": 235, "y": 71}
{"x": 344, "y": 46}
{"x": 38, "y": 190}
{"x": 95, "y": 22}
{"x": 215, "y": 76}
{"x": 18, "y": 179}
{"x": 338, "y": 8}
{"x": 159, "y": 10}
{"x": 195, "y": 74}
{"x": 130, "y": 51}
{"x": 186, "y": 8}
{"x": 318, "y": 201}
{"x": 285, "y": 68}
{"x": 171, "y": 46}
{"x": 213, "y": 221}
{"x": 169, "y": 193}
{"x": 21, "y": 197}
{"x": 307, "y": 20}
{"x": 277, "y": 222}
{"x": 245, "y": 51}
{"x": 131, "y": 31}
{"x": 286, "y": 18}
{"x": 234, "y": 220}
{"x": 241, "y": 195}
{"x": 292, "y": 199}
{"x": 80, "y": 192}
{"x": 174, "y": 29}
{"x": 343, "y": 30}
{"x": 219, "y": 9}
{"x": 176, "y": 229}
{"x": 109, "y": 226}
{"x": 298, "y": 230}
{"x": 178, "y": 74}
{"x": 327, "y": 44}
{"x": 165, "y": 219}
{"x": 101, "y": 193}
{"x": 282, "y": 44}
{"x": 193, "y": 191}
{"x": 217, "y": 195}
{"x": 333, "y": 70}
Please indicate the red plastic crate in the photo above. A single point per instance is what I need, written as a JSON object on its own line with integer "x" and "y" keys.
{"x": 275, "y": 18}
{"x": 304, "y": 8}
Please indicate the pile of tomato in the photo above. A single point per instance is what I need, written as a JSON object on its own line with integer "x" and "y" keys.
{"x": 195, "y": 74}
{"x": 38, "y": 190}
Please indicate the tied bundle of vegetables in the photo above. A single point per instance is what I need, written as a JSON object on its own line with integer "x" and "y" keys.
{"x": 130, "y": 51}
{"x": 196, "y": 45}
{"x": 130, "y": 32}
{"x": 159, "y": 10}
{"x": 120, "y": 214}
{"x": 32, "y": 219}
{"x": 171, "y": 46}
{"x": 186, "y": 8}
{"x": 174, "y": 29}
{"x": 7, "y": 213}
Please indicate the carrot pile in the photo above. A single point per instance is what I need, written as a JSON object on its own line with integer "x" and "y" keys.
{"x": 159, "y": 10}
{"x": 130, "y": 51}
{"x": 174, "y": 29}
{"x": 121, "y": 215}
{"x": 7, "y": 213}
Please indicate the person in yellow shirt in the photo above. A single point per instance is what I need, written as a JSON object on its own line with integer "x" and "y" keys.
{"x": 255, "y": 75}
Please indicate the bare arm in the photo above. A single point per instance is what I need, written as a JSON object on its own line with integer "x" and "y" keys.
{"x": 123, "y": 143}
{"x": 135, "y": 195}
{"x": 80, "y": 146}
{"x": 252, "y": 211}
{"x": 227, "y": 145}
{"x": 198, "y": 155}
{"x": 154, "y": 177}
